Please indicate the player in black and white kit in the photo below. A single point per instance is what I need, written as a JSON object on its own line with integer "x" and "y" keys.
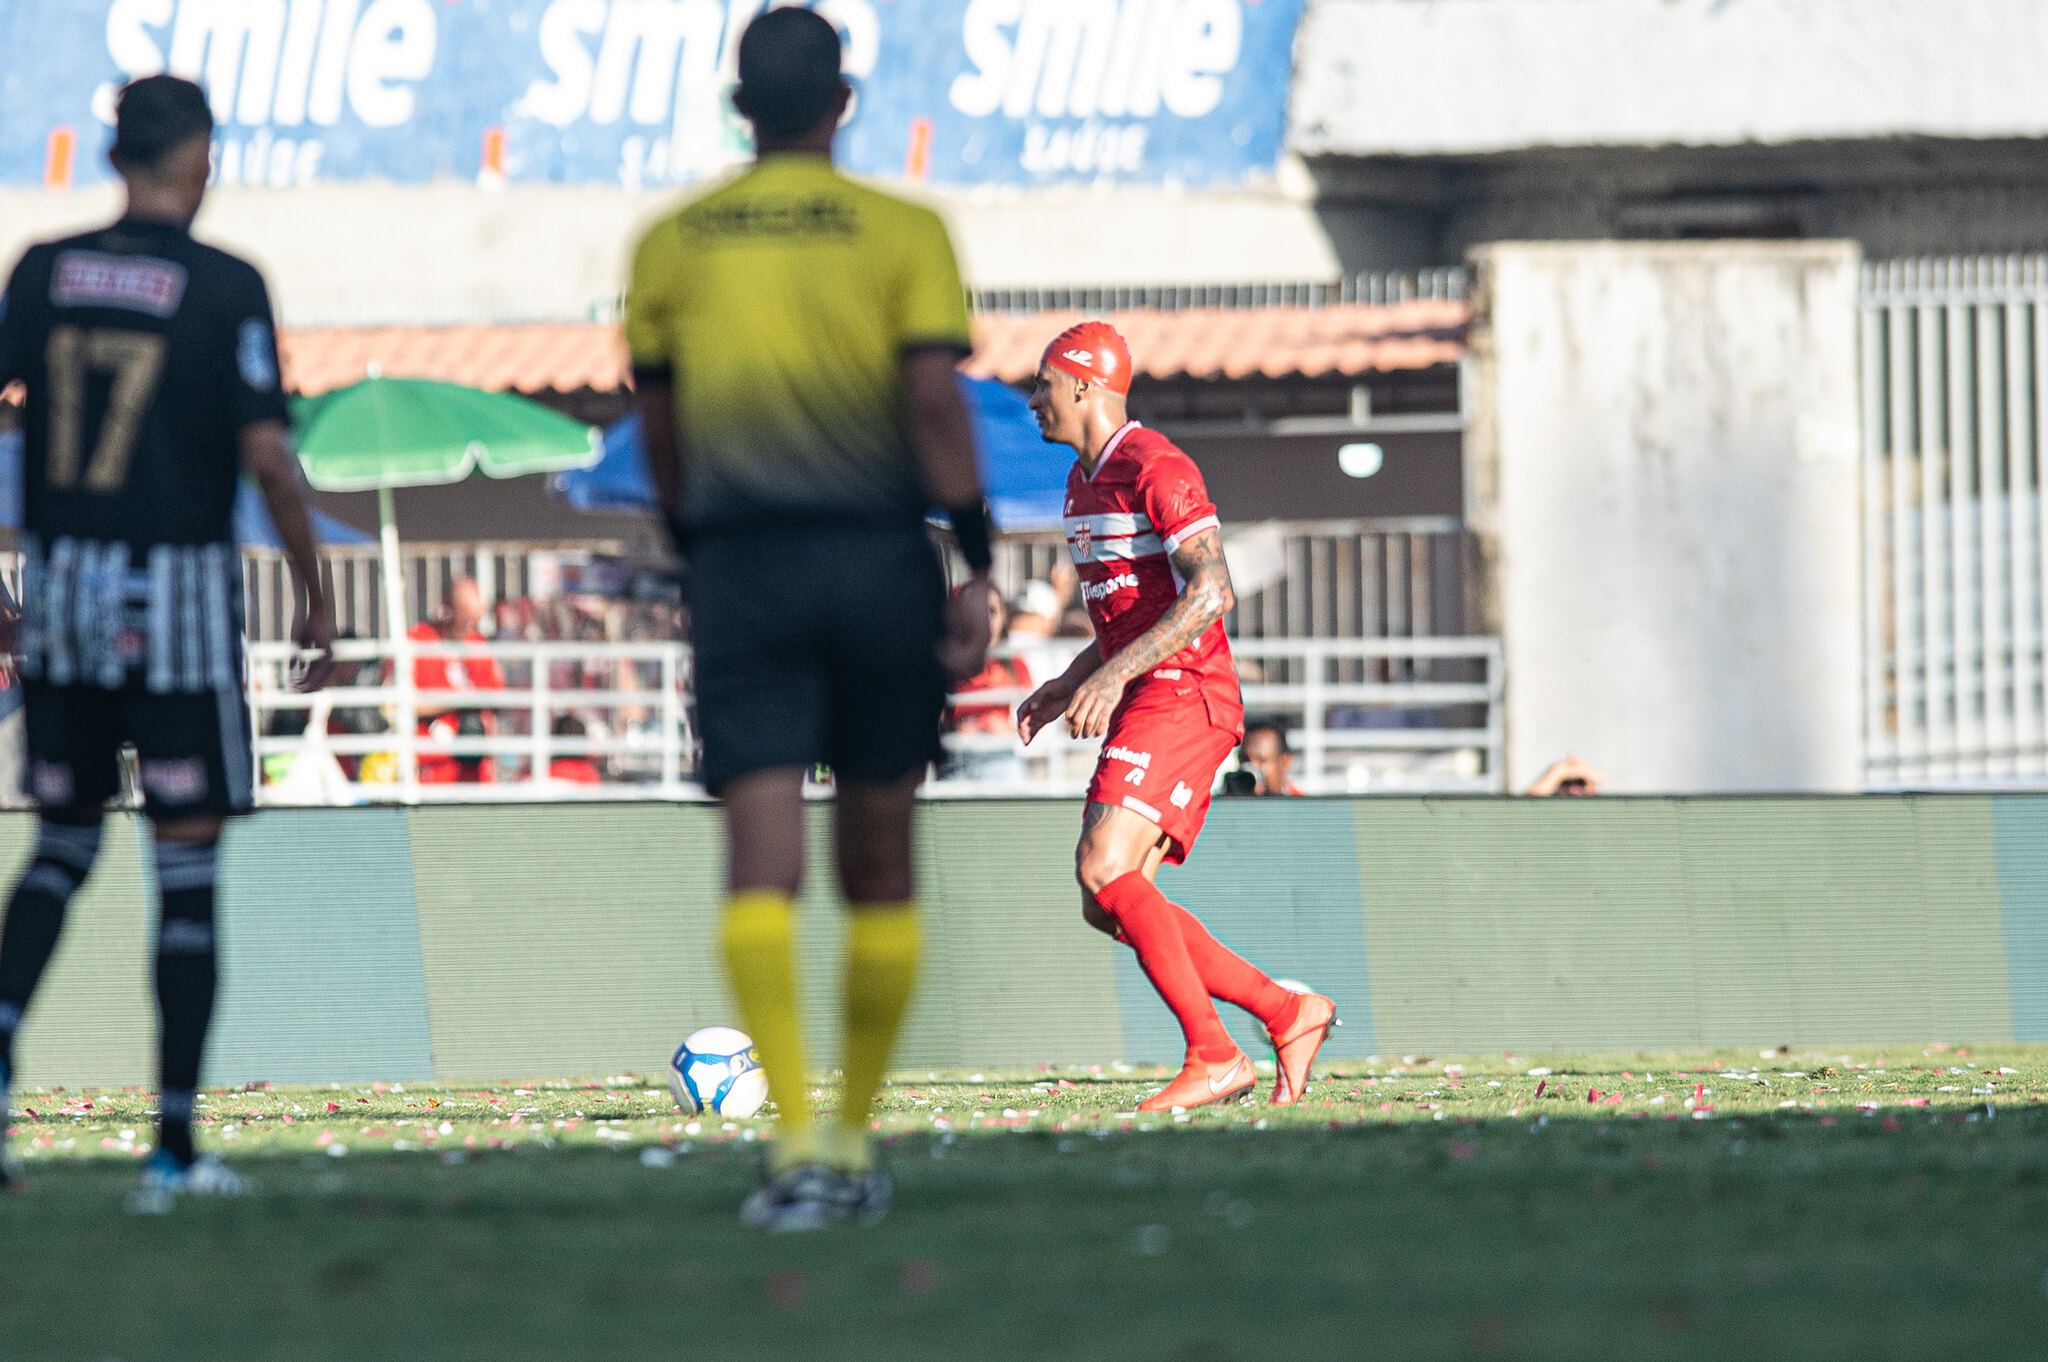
{"x": 152, "y": 377}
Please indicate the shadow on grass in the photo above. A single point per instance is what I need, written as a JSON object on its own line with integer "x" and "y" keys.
{"x": 1582, "y": 1236}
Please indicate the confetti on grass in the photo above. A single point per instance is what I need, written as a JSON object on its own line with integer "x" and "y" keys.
{"x": 632, "y": 1116}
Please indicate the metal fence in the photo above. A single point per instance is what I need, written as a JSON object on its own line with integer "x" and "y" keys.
{"x": 1389, "y": 578}
{"x": 615, "y": 721}
{"x": 1955, "y": 365}
{"x": 1373, "y": 288}
{"x": 1351, "y": 579}
{"x": 354, "y": 576}
{"x": 1392, "y": 578}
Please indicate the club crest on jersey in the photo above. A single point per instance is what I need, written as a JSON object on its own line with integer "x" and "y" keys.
{"x": 1084, "y": 540}
{"x": 1182, "y": 796}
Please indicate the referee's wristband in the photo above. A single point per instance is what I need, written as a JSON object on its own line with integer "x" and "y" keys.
{"x": 970, "y": 532}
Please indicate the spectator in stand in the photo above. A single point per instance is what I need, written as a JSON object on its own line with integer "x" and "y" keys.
{"x": 461, "y": 609}
{"x": 1074, "y": 621}
{"x": 578, "y": 767}
{"x": 1005, "y": 673}
{"x": 1001, "y": 673}
{"x": 1266, "y": 755}
{"x": 1034, "y": 621}
{"x": 1035, "y": 614}
{"x": 1571, "y": 776}
{"x": 354, "y": 720}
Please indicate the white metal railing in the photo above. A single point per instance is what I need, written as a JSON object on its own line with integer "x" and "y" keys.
{"x": 636, "y": 692}
{"x": 1407, "y": 715}
{"x": 1380, "y": 687}
{"x": 1955, "y": 371}
{"x": 1351, "y": 709}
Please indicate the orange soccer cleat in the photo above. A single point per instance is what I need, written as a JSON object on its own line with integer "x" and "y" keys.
{"x": 1295, "y": 1048}
{"x": 1202, "y": 1081}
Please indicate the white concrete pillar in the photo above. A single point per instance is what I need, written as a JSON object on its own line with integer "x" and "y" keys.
{"x": 1661, "y": 485}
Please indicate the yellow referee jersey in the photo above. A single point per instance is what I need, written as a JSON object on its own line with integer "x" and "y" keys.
{"x": 782, "y": 305}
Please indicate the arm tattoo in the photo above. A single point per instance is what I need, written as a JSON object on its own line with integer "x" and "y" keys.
{"x": 1203, "y": 601}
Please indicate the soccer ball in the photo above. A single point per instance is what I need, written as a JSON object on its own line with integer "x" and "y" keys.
{"x": 717, "y": 1071}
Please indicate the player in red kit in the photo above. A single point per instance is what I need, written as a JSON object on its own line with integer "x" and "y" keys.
{"x": 1159, "y": 687}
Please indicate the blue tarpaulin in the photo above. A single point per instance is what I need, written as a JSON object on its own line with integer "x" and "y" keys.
{"x": 1026, "y": 478}
{"x": 253, "y": 529}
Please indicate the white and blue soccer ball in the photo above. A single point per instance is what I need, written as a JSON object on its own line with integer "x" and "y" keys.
{"x": 717, "y": 1071}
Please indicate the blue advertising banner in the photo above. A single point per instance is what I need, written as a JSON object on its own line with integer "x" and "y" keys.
{"x": 634, "y": 92}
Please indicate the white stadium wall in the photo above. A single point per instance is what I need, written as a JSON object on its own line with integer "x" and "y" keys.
{"x": 1450, "y": 77}
{"x": 451, "y": 253}
{"x": 1661, "y": 486}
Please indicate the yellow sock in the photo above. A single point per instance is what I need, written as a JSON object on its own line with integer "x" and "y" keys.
{"x": 756, "y": 937}
{"x": 881, "y": 966}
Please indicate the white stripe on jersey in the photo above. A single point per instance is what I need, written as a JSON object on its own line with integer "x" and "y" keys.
{"x": 163, "y": 572}
{"x": 213, "y": 600}
{"x": 1120, "y": 549}
{"x": 30, "y": 631}
{"x": 1189, "y": 531}
{"x": 1111, "y": 524}
{"x": 192, "y": 664}
{"x": 57, "y": 613}
{"x": 1112, "y": 537}
{"x": 87, "y": 585}
{"x": 111, "y": 667}
{"x": 235, "y": 757}
{"x": 92, "y": 617}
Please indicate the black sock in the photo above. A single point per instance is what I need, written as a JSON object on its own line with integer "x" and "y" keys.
{"x": 35, "y": 918}
{"x": 185, "y": 979}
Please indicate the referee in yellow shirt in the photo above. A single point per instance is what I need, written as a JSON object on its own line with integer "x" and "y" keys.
{"x": 794, "y": 337}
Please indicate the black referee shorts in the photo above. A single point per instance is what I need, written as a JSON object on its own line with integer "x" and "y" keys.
{"x": 818, "y": 645}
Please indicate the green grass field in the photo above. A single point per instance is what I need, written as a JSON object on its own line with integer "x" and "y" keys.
{"x": 1847, "y": 1204}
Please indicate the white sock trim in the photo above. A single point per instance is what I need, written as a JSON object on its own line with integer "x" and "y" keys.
{"x": 76, "y": 845}
{"x": 186, "y": 865}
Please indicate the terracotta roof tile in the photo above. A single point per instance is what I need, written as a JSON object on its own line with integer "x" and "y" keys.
{"x": 1201, "y": 342}
{"x": 1240, "y": 343}
{"x": 562, "y": 357}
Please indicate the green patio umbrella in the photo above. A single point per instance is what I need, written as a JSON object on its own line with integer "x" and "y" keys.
{"x": 386, "y": 433}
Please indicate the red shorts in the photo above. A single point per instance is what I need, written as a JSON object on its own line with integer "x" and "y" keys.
{"x": 1160, "y": 760}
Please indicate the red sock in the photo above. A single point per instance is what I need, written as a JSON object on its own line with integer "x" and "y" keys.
{"x": 1153, "y": 928}
{"x": 1229, "y": 976}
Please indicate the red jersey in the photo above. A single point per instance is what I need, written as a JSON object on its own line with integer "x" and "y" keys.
{"x": 452, "y": 673}
{"x": 1145, "y": 499}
